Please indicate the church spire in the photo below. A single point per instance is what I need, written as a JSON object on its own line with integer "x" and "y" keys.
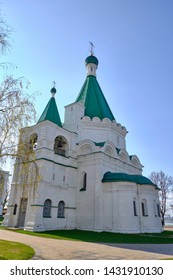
{"x": 53, "y": 89}
{"x": 91, "y": 94}
{"x": 50, "y": 112}
{"x": 91, "y": 62}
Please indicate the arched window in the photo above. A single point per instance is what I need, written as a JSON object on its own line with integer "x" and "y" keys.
{"x": 61, "y": 206}
{"x": 134, "y": 207}
{"x": 47, "y": 208}
{"x": 60, "y": 146}
{"x": 144, "y": 207}
{"x": 15, "y": 209}
{"x": 33, "y": 141}
{"x": 84, "y": 182}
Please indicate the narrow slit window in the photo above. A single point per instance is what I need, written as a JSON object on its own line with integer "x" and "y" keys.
{"x": 144, "y": 208}
{"x": 134, "y": 207}
{"x": 158, "y": 209}
{"x": 84, "y": 182}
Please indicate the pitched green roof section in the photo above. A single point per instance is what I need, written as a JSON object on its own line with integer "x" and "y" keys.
{"x": 51, "y": 113}
{"x": 123, "y": 177}
{"x": 93, "y": 99}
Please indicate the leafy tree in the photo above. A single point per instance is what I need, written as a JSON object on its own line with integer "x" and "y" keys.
{"x": 165, "y": 183}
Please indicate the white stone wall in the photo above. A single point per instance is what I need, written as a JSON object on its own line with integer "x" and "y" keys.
{"x": 103, "y": 130}
{"x": 16, "y": 193}
{"x": 85, "y": 207}
{"x": 3, "y": 187}
{"x": 73, "y": 114}
{"x": 119, "y": 213}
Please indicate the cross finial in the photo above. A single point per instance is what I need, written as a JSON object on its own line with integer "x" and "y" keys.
{"x": 91, "y": 48}
{"x": 53, "y": 90}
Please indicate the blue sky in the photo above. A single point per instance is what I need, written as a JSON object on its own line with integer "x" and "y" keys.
{"x": 133, "y": 42}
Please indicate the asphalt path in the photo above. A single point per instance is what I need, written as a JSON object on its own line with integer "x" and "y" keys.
{"x": 54, "y": 249}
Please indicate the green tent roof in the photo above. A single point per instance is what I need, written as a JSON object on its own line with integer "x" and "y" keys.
{"x": 51, "y": 113}
{"x": 123, "y": 177}
{"x": 93, "y": 99}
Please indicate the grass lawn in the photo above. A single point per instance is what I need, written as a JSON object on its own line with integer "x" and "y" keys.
{"x": 166, "y": 237}
{"x": 15, "y": 251}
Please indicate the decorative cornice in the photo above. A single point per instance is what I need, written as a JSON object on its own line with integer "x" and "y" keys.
{"x": 57, "y": 163}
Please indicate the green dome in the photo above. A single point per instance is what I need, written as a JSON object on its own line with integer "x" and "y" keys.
{"x": 124, "y": 177}
{"x": 53, "y": 90}
{"x": 91, "y": 59}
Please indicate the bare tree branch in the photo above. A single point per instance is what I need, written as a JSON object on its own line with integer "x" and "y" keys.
{"x": 165, "y": 183}
{"x": 5, "y": 32}
{"x": 16, "y": 111}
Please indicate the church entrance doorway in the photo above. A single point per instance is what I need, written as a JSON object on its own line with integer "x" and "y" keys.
{"x": 22, "y": 212}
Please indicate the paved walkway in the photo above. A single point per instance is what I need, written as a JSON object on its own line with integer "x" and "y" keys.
{"x": 54, "y": 249}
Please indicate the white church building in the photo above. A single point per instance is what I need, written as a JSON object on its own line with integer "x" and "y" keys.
{"x": 88, "y": 181}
